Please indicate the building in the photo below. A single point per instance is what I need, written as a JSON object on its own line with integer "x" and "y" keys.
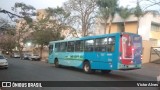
{"x": 149, "y": 29}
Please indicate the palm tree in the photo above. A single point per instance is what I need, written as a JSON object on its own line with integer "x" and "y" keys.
{"x": 107, "y": 9}
{"x": 138, "y": 13}
{"x": 124, "y": 13}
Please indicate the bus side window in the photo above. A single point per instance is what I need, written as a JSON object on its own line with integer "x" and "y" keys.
{"x": 79, "y": 46}
{"x": 111, "y": 44}
{"x": 89, "y": 45}
{"x": 70, "y": 47}
{"x": 50, "y": 49}
{"x": 57, "y": 47}
{"x": 63, "y": 47}
{"x": 100, "y": 44}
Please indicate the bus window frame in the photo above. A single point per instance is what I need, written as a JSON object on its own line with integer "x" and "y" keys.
{"x": 73, "y": 46}
{"x": 101, "y": 45}
{"x": 111, "y": 45}
{"x": 55, "y": 47}
{"x": 65, "y": 47}
{"x": 82, "y": 41}
{"x": 51, "y": 49}
{"x": 85, "y": 45}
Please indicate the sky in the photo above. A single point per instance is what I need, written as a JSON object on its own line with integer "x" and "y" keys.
{"x": 40, "y": 4}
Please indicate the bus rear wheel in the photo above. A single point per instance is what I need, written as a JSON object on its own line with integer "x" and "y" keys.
{"x": 56, "y": 63}
{"x": 87, "y": 67}
{"x": 105, "y": 71}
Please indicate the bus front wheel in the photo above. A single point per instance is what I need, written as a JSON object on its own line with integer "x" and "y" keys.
{"x": 87, "y": 67}
{"x": 56, "y": 63}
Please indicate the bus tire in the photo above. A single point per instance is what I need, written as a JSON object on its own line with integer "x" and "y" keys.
{"x": 105, "y": 71}
{"x": 56, "y": 63}
{"x": 87, "y": 68}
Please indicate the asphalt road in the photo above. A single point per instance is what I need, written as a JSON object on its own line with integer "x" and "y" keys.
{"x": 24, "y": 70}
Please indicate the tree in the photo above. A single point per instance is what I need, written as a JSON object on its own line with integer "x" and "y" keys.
{"x": 124, "y": 13}
{"x": 138, "y": 13}
{"x": 26, "y": 11}
{"x": 150, "y": 3}
{"x": 7, "y": 43}
{"x": 108, "y": 9}
{"x": 7, "y": 38}
{"x": 50, "y": 27}
{"x": 45, "y": 31}
{"x": 59, "y": 20}
{"x": 83, "y": 13}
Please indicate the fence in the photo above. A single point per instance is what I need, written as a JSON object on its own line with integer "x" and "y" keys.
{"x": 155, "y": 55}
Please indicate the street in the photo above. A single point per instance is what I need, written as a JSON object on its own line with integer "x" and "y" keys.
{"x": 24, "y": 70}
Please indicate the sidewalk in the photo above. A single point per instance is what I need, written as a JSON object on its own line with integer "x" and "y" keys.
{"x": 148, "y": 69}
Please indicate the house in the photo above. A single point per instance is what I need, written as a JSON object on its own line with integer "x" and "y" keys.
{"x": 149, "y": 29}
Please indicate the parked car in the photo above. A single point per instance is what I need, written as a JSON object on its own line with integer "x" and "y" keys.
{"x": 34, "y": 57}
{"x": 15, "y": 55}
{"x": 158, "y": 79}
{"x": 26, "y": 56}
{"x": 3, "y": 62}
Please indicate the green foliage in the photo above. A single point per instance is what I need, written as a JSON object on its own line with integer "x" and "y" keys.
{"x": 124, "y": 12}
{"x": 138, "y": 11}
{"x": 43, "y": 37}
{"x": 109, "y": 5}
{"x": 26, "y": 11}
{"x": 59, "y": 14}
{"x": 107, "y": 10}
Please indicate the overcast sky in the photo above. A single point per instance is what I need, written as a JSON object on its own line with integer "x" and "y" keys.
{"x": 40, "y": 4}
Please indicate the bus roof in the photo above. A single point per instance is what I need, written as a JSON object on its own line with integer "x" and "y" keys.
{"x": 96, "y": 36}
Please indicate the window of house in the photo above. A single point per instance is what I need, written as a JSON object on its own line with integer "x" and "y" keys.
{"x": 79, "y": 46}
{"x": 89, "y": 45}
{"x": 70, "y": 47}
{"x": 155, "y": 27}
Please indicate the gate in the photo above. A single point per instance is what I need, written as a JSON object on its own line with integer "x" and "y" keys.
{"x": 155, "y": 55}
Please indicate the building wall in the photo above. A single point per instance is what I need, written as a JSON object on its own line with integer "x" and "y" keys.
{"x": 131, "y": 27}
{"x": 146, "y": 51}
{"x": 114, "y": 28}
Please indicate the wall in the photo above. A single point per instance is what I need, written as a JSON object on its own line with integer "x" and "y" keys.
{"x": 146, "y": 51}
{"x": 131, "y": 27}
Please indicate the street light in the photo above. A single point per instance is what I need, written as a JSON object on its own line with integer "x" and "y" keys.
{"x": 29, "y": 44}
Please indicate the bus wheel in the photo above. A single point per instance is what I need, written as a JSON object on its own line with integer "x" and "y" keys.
{"x": 105, "y": 71}
{"x": 87, "y": 67}
{"x": 56, "y": 63}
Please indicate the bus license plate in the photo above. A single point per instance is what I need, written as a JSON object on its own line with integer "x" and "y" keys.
{"x": 131, "y": 66}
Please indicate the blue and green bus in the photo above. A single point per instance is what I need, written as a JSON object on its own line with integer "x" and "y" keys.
{"x": 117, "y": 51}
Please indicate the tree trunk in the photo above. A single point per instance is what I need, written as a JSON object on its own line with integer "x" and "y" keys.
{"x": 137, "y": 24}
{"x": 110, "y": 26}
{"x": 124, "y": 29}
{"x": 105, "y": 27}
{"x": 20, "y": 52}
{"x": 41, "y": 51}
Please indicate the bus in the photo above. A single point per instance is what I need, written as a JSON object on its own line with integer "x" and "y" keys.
{"x": 117, "y": 51}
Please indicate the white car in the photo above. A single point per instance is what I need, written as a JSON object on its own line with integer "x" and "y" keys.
{"x": 16, "y": 55}
{"x": 3, "y": 62}
{"x": 158, "y": 79}
{"x": 34, "y": 57}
